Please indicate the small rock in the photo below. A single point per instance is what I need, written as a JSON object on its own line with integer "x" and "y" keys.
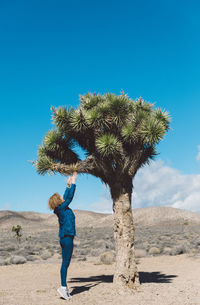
{"x": 154, "y": 250}
{"x": 81, "y": 258}
{"x": 17, "y": 260}
{"x": 31, "y": 258}
{"x": 140, "y": 253}
{"x": 167, "y": 250}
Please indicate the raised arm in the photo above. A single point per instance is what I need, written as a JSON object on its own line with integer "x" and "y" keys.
{"x": 69, "y": 181}
{"x": 69, "y": 194}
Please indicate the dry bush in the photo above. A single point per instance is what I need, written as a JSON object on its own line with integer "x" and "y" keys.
{"x": 107, "y": 257}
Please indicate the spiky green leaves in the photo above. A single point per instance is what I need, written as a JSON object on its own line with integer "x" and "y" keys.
{"x": 147, "y": 126}
{"x": 94, "y": 119}
{"x": 108, "y": 112}
{"x": 128, "y": 134}
{"x": 78, "y": 121}
{"x": 108, "y": 145}
{"x": 44, "y": 164}
{"x": 107, "y": 127}
{"x": 62, "y": 117}
{"x": 90, "y": 101}
{"x": 162, "y": 116}
{"x": 120, "y": 107}
{"x": 58, "y": 147}
{"x": 152, "y": 131}
{"x": 55, "y": 148}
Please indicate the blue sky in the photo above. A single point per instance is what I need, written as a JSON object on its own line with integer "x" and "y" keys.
{"x": 52, "y": 51}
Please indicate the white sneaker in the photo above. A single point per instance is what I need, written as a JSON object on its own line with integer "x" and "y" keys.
{"x": 64, "y": 292}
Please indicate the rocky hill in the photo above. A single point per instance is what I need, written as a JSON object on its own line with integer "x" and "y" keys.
{"x": 158, "y": 231}
{"x": 142, "y": 217}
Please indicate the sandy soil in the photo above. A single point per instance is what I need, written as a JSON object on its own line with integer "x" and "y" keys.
{"x": 165, "y": 280}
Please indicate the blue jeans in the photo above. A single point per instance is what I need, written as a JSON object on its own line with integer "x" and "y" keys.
{"x": 67, "y": 246}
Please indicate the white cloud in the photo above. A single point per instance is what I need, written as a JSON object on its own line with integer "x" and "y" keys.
{"x": 159, "y": 185}
{"x": 198, "y": 155}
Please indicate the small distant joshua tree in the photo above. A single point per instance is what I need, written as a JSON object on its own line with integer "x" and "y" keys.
{"x": 17, "y": 231}
{"x": 118, "y": 136}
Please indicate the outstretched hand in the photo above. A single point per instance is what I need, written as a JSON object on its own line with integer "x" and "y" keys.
{"x": 69, "y": 181}
{"x": 72, "y": 179}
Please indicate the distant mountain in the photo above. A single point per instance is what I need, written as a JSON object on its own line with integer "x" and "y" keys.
{"x": 142, "y": 217}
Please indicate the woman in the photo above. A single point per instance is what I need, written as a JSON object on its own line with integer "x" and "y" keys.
{"x": 67, "y": 231}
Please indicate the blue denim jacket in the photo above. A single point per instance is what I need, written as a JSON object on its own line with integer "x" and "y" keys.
{"x": 66, "y": 217}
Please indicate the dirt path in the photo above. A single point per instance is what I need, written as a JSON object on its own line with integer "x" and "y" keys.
{"x": 165, "y": 280}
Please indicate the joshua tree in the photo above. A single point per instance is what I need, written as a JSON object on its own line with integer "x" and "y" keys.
{"x": 118, "y": 136}
{"x": 17, "y": 231}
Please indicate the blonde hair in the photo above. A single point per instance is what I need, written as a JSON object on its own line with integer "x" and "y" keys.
{"x": 54, "y": 201}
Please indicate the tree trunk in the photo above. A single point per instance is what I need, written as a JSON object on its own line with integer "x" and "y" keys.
{"x": 126, "y": 274}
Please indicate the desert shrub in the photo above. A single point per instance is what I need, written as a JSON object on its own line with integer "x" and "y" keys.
{"x": 84, "y": 251}
{"x": 107, "y": 257}
{"x": 28, "y": 250}
{"x": 51, "y": 251}
{"x": 95, "y": 252}
{"x": 4, "y": 253}
{"x": 28, "y": 246}
{"x": 197, "y": 242}
{"x": 194, "y": 251}
{"x": 109, "y": 245}
{"x": 28, "y": 238}
{"x": 45, "y": 255}
{"x": 81, "y": 258}
{"x": 21, "y": 252}
{"x": 38, "y": 247}
{"x": 7, "y": 261}
{"x": 59, "y": 250}
{"x": 9, "y": 247}
{"x": 100, "y": 243}
{"x": 48, "y": 246}
{"x": 107, "y": 236}
{"x": 180, "y": 249}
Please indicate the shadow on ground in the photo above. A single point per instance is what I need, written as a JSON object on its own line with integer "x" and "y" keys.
{"x": 98, "y": 279}
{"x": 155, "y": 277}
{"x": 145, "y": 277}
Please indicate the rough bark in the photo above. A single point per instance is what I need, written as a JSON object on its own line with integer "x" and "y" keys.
{"x": 126, "y": 273}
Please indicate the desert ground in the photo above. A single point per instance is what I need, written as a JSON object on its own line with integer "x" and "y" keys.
{"x": 167, "y": 280}
{"x": 167, "y": 249}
